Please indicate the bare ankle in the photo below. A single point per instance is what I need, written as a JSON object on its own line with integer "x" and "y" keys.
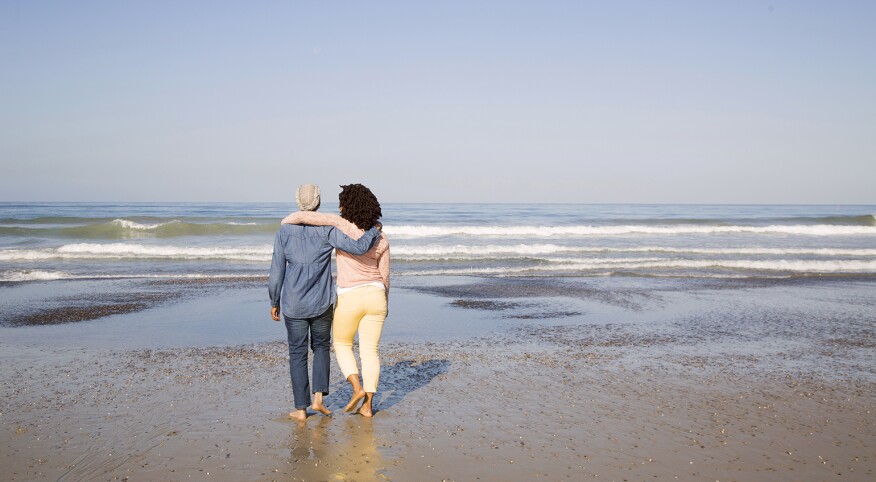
{"x": 354, "y": 383}
{"x": 367, "y": 409}
{"x": 354, "y": 400}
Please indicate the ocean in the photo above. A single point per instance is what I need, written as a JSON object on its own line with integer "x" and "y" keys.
{"x": 57, "y": 241}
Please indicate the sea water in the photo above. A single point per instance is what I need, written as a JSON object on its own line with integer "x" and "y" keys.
{"x": 56, "y": 241}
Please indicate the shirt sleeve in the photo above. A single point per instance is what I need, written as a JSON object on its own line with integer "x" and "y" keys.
{"x": 314, "y": 218}
{"x": 343, "y": 242}
{"x": 278, "y": 271}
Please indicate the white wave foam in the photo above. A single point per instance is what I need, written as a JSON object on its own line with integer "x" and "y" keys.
{"x": 583, "y": 231}
{"x": 142, "y": 227}
{"x": 499, "y": 272}
{"x": 459, "y": 251}
{"x": 794, "y": 266}
{"x": 138, "y": 251}
{"x": 32, "y": 275}
{"x": 125, "y": 223}
{"x": 487, "y": 250}
{"x": 36, "y": 275}
{"x": 809, "y": 266}
{"x": 407, "y": 253}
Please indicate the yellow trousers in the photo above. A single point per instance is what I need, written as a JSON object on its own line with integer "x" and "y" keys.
{"x": 363, "y": 310}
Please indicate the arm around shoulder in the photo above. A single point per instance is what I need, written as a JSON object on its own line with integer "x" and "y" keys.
{"x": 314, "y": 218}
{"x": 354, "y": 246}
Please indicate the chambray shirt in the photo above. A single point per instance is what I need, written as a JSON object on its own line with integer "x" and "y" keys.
{"x": 301, "y": 267}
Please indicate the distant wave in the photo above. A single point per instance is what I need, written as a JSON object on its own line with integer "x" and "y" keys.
{"x": 75, "y": 220}
{"x": 122, "y": 251}
{"x": 862, "y": 220}
{"x": 847, "y": 220}
{"x": 127, "y": 229}
{"x": 583, "y": 231}
{"x": 434, "y": 251}
{"x": 856, "y": 220}
{"x": 121, "y": 228}
{"x": 137, "y": 251}
{"x": 12, "y": 276}
{"x": 784, "y": 266}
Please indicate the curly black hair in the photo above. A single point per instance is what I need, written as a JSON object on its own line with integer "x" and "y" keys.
{"x": 359, "y": 206}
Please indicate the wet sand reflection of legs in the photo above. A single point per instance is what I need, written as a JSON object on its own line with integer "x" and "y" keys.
{"x": 335, "y": 449}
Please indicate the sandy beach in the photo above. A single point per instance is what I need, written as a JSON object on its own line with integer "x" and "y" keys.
{"x": 742, "y": 391}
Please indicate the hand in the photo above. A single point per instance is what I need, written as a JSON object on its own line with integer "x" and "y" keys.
{"x": 379, "y": 226}
{"x": 275, "y": 313}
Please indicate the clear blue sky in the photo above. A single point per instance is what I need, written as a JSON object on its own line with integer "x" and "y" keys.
{"x": 445, "y": 101}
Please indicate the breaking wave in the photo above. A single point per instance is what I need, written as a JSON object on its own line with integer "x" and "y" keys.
{"x": 137, "y": 251}
{"x": 585, "y": 231}
{"x": 127, "y": 229}
{"x": 783, "y": 266}
{"x": 17, "y": 276}
{"x": 122, "y": 251}
{"x": 469, "y": 252}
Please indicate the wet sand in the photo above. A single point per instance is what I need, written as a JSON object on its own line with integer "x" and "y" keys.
{"x": 54, "y": 310}
{"x": 754, "y": 383}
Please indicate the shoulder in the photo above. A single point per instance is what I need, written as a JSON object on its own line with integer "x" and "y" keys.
{"x": 287, "y": 229}
{"x": 320, "y": 230}
{"x": 302, "y": 230}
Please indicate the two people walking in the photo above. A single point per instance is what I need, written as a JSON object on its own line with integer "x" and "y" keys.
{"x": 301, "y": 289}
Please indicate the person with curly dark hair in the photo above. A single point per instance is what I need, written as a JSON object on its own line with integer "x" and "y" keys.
{"x": 363, "y": 291}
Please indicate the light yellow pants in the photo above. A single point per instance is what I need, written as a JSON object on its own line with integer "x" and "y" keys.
{"x": 363, "y": 310}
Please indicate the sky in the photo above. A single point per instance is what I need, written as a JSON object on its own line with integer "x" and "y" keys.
{"x": 444, "y": 101}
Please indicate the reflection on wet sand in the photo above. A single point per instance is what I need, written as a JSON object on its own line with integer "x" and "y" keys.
{"x": 343, "y": 446}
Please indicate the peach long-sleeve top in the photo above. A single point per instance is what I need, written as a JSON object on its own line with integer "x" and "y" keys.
{"x": 353, "y": 270}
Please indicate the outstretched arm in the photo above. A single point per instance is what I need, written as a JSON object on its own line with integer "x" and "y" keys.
{"x": 314, "y": 218}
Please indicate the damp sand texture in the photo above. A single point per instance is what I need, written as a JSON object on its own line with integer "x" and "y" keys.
{"x": 630, "y": 380}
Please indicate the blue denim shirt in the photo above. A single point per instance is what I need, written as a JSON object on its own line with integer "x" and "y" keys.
{"x": 302, "y": 267}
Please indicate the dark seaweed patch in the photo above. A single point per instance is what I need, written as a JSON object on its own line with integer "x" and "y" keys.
{"x": 72, "y": 314}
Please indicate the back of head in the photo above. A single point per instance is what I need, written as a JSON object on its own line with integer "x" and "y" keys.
{"x": 307, "y": 197}
{"x": 359, "y": 206}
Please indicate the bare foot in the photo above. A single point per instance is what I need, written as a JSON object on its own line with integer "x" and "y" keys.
{"x": 354, "y": 400}
{"x": 300, "y": 415}
{"x": 366, "y": 410}
{"x": 319, "y": 407}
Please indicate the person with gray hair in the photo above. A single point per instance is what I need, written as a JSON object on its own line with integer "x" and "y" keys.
{"x": 300, "y": 286}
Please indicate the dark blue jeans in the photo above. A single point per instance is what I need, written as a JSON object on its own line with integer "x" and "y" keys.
{"x": 320, "y": 330}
